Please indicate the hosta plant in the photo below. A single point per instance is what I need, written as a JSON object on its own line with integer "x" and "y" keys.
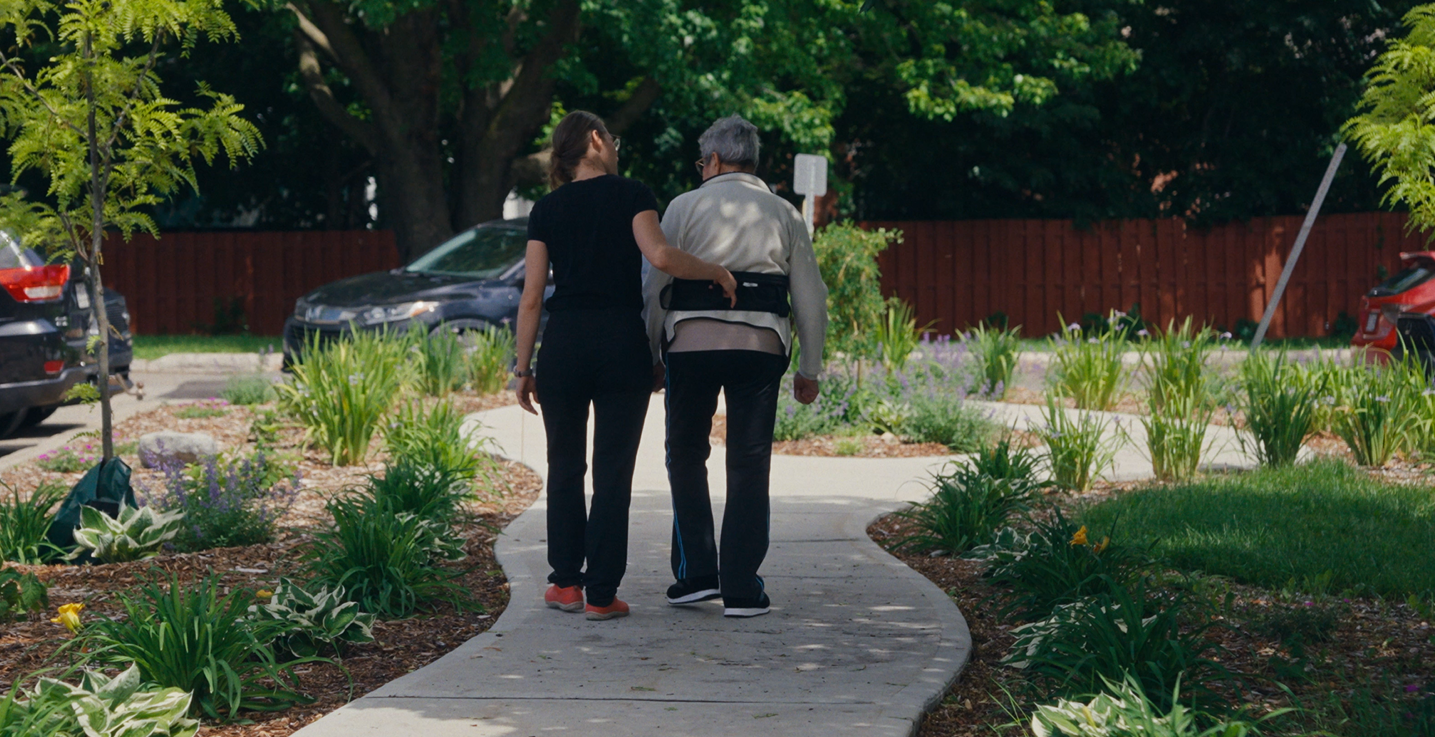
{"x": 1124, "y": 710}
{"x": 136, "y": 533}
{"x": 101, "y": 706}
{"x": 314, "y": 618}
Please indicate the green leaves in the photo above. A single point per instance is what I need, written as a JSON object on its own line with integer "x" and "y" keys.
{"x": 1396, "y": 127}
{"x": 117, "y": 707}
{"x": 847, "y": 260}
{"x": 20, "y": 594}
{"x": 135, "y": 534}
{"x": 314, "y": 618}
{"x": 24, "y": 523}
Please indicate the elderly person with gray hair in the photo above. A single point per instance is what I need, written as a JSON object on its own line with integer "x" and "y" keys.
{"x": 710, "y": 345}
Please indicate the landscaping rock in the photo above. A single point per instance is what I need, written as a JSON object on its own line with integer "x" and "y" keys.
{"x": 160, "y": 448}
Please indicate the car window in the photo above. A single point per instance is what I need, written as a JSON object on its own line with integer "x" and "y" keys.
{"x": 482, "y": 253}
{"x": 12, "y": 256}
{"x": 1405, "y": 280}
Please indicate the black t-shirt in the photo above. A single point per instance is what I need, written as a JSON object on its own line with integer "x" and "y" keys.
{"x": 588, "y": 227}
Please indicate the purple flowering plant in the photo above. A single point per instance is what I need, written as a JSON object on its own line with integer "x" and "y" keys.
{"x": 227, "y": 502}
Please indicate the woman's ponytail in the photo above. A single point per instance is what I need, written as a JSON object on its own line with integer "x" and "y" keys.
{"x": 570, "y": 145}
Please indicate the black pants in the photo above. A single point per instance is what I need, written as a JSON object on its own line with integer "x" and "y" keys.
{"x": 599, "y": 358}
{"x": 750, "y": 380}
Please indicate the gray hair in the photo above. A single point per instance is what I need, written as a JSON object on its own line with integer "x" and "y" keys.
{"x": 733, "y": 139}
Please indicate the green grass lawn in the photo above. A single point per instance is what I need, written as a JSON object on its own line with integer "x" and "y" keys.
{"x": 148, "y": 347}
{"x": 1297, "y": 525}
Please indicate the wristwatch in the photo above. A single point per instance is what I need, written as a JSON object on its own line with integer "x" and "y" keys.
{"x": 520, "y": 373}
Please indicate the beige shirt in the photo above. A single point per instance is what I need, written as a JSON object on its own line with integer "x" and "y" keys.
{"x": 735, "y": 220}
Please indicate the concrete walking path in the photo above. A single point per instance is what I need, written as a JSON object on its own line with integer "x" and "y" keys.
{"x": 857, "y": 643}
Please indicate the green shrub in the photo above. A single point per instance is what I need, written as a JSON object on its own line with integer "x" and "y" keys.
{"x": 21, "y": 594}
{"x": 940, "y": 415}
{"x": 248, "y": 390}
{"x": 435, "y": 437}
{"x": 1003, "y": 460}
{"x": 234, "y": 501}
{"x": 834, "y": 411}
{"x": 897, "y": 335}
{"x": 847, "y": 260}
{"x": 1316, "y": 525}
{"x": 387, "y": 563}
{"x": 1177, "y": 372}
{"x": 1117, "y": 633}
{"x": 430, "y": 492}
{"x": 1374, "y": 418}
{"x": 1123, "y": 710}
{"x": 1078, "y": 450}
{"x": 490, "y": 358}
{"x": 99, "y": 706}
{"x": 995, "y": 351}
{"x": 24, "y": 523}
{"x": 342, "y": 391}
{"x": 1280, "y": 412}
{"x": 313, "y": 619}
{"x": 1176, "y": 435}
{"x": 1091, "y": 371}
{"x": 966, "y": 509}
{"x": 442, "y": 365}
{"x": 137, "y": 533}
{"x": 197, "y": 640}
{"x": 1055, "y": 563}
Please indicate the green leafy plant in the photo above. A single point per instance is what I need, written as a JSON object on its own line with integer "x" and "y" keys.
{"x": 847, "y": 259}
{"x": 1089, "y": 370}
{"x": 21, "y": 594}
{"x": 197, "y": 640}
{"x": 442, "y": 365}
{"x": 264, "y": 428}
{"x": 343, "y": 390}
{"x": 314, "y": 619}
{"x": 490, "y": 355}
{"x": 1280, "y": 413}
{"x": 137, "y": 533}
{"x": 897, "y": 335}
{"x": 430, "y": 492}
{"x": 1055, "y": 563}
{"x": 203, "y": 410}
{"x": 996, "y": 351}
{"x": 248, "y": 390}
{"x": 966, "y": 508}
{"x": 387, "y": 563}
{"x": 24, "y": 523}
{"x": 1176, "y": 435}
{"x": 1374, "y": 418}
{"x": 1077, "y": 450}
{"x": 1122, "y": 709}
{"x": 101, "y": 706}
{"x": 435, "y": 437}
{"x": 1116, "y": 633}
{"x": 226, "y": 502}
{"x": 939, "y": 414}
{"x": 1177, "y": 372}
{"x": 1006, "y": 460}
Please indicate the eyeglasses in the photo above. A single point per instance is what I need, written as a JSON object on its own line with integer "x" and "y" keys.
{"x": 702, "y": 165}
{"x": 617, "y": 144}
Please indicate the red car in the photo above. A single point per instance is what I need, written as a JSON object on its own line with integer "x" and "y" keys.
{"x": 1411, "y": 290}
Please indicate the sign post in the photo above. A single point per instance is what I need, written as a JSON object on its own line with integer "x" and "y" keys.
{"x": 809, "y": 179}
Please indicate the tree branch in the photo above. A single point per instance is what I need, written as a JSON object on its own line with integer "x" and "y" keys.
{"x": 638, "y": 103}
{"x": 326, "y": 29}
{"x": 109, "y": 149}
{"x": 310, "y": 70}
{"x": 14, "y": 67}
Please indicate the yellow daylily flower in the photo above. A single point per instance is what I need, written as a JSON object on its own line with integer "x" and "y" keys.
{"x": 264, "y": 594}
{"x": 1080, "y": 537}
{"x": 1105, "y": 542}
{"x": 70, "y": 617}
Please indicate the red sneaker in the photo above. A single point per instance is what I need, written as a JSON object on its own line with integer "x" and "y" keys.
{"x": 569, "y": 598}
{"x": 617, "y": 609}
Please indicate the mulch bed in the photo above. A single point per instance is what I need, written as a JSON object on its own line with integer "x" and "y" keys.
{"x": 400, "y": 647}
{"x": 1373, "y": 643}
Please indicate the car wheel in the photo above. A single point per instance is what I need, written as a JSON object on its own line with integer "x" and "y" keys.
{"x": 9, "y": 423}
{"x": 37, "y": 415}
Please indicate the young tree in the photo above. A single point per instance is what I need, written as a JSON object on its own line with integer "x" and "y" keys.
{"x": 94, "y": 125}
{"x": 1396, "y": 128}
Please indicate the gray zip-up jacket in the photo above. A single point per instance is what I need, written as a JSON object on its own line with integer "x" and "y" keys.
{"x": 735, "y": 220}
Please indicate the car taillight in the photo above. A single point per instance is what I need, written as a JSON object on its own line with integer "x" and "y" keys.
{"x": 41, "y": 284}
{"x": 1392, "y": 312}
{"x": 54, "y": 367}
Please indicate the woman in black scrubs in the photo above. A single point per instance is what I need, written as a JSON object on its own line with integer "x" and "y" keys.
{"x": 594, "y": 229}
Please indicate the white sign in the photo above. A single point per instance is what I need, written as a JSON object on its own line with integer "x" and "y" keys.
{"x": 810, "y": 175}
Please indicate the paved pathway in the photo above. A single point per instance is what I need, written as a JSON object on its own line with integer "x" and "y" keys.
{"x": 856, "y": 644}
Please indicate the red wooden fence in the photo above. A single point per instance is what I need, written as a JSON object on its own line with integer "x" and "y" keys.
{"x": 959, "y": 273}
{"x": 171, "y": 284}
{"x": 956, "y": 273}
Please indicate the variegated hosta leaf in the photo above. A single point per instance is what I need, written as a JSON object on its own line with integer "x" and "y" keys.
{"x": 116, "y": 707}
{"x": 137, "y": 533}
{"x": 320, "y": 616}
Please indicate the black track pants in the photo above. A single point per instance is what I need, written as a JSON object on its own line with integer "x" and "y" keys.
{"x": 750, "y": 380}
{"x": 598, "y": 358}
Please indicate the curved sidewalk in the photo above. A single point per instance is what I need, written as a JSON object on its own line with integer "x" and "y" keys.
{"x": 857, "y": 643}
